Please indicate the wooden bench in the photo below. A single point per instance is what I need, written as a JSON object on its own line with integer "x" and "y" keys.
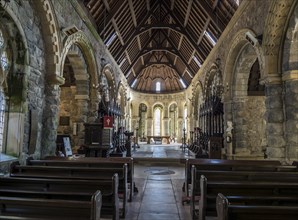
{"x": 256, "y": 208}
{"x": 74, "y": 172}
{"x": 112, "y": 162}
{"x": 69, "y": 187}
{"x": 28, "y": 205}
{"x": 236, "y": 165}
{"x": 209, "y": 190}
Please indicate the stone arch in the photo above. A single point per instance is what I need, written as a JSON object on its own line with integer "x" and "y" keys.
{"x": 52, "y": 41}
{"x": 79, "y": 53}
{"x": 290, "y": 85}
{"x": 245, "y": 112}
{"x": 274, "y": 36}
{"x": 290, "y": 49}
{"x": 214, "y": 73}
{"x": 197, "y": 99}
{"x": 238, "y": 43}
{"x": 109, "y": 74}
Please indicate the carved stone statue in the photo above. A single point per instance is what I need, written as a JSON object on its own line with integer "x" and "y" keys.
{"x": 229, "y": 137}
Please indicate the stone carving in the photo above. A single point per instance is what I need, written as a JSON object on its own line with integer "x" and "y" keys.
{"x": 229, "y": 137}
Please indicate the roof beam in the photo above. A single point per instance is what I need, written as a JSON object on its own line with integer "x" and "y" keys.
{"x": 132, "y": 63}
{"x": 188, "y": 35}
{"x": 178, "y": 54}
{"x": 210, "y": 13}
{"x": 132, "y": 12}
{"x": 132, "y": 35}
{"x": 111, "y": 14}
{"x": 117, "y": 31}
{"x": 187, "y": 13}
{"x": 142, "y": 29}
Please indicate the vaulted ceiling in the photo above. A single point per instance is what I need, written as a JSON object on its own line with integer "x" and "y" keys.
{"x": 163, "y": 41}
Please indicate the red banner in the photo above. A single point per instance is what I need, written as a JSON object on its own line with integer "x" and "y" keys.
{"x": 107, "y": 122}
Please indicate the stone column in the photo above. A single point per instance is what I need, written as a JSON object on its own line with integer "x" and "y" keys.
{"x": 291, "y": 114}
{"x": 180, "y": 129}
{"x": 80, "y": 118}
{"x": 275, "y": 119}
{"x": 50, "y": 115}
{"x": 149, "y": 123}
{"x": 240, "y": 125}
{"x": 165, "y": 126}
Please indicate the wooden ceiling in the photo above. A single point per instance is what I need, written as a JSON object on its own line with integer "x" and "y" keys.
{"x": 160, "y": 40}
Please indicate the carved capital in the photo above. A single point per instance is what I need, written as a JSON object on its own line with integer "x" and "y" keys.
{"x": 54, "y": 79}
{"x": 272, "y": 79}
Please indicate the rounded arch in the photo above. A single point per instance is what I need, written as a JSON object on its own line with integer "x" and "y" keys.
{"x": 274, "y": 34}
{"x": 197, "y": 98}
{"x": 80, "y": 39}
{"x": 239, "y": 43}
{"x": 246, "y": 112}
{"x": 109, "y": 74}
{"x": 52, "y": 42}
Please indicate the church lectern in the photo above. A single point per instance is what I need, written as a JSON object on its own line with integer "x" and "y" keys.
{"x": 98, "y": 141}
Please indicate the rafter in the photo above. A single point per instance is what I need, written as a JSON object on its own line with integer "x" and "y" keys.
{"x": 189, "y": 36}
{"x": 210, "y": 13}
{"x": 175, "y": 27}
{"x": 111, "y": 14}
{"x": 132, "y": 34}
{"x": 187, "y": 12}
{"x": 179, "y": 54}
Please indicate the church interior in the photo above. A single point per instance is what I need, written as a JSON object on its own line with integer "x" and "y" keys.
{"x": 148, "y": 109}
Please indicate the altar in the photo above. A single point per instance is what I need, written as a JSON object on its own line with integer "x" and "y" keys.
{"x": 158, "y": 138}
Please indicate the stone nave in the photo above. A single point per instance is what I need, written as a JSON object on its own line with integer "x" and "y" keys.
{"x": 221, "y": 74}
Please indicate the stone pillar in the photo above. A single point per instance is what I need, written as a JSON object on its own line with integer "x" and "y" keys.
{"x": 80, "y": 118}
{"x": 180, "y": 129}
{"x": 275, "y": 119}
{"x": 50, "y": 115}
{"x": 149, "y": 123}
{"x": 165, "y": 126}
{"x": 240, "y": 125}
{"x": 135, "y": 124}
{"x": 291, "y": 114}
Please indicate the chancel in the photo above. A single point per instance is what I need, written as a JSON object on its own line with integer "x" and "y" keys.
{"x": 148, "y": 109}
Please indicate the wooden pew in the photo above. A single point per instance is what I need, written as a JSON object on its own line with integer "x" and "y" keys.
{"x": 247, "y": 208}
{"x": 210, "y": 189}
{"x": 74, "y": 172}
{"x": 236, "y": 165}
{"x": 81, "y": 188}
{"x": 17, "y": 206}
{"x": 112, "y": 162}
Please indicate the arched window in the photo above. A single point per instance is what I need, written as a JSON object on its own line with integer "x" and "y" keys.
{"x": 157, "y": 88}
{"x": 157, "y": 119}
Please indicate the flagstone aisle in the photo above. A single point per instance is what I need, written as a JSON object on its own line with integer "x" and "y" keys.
{"x": 159, "y": 176}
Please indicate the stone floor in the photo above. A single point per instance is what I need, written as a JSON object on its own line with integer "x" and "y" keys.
{"x": 159, "y": 176}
